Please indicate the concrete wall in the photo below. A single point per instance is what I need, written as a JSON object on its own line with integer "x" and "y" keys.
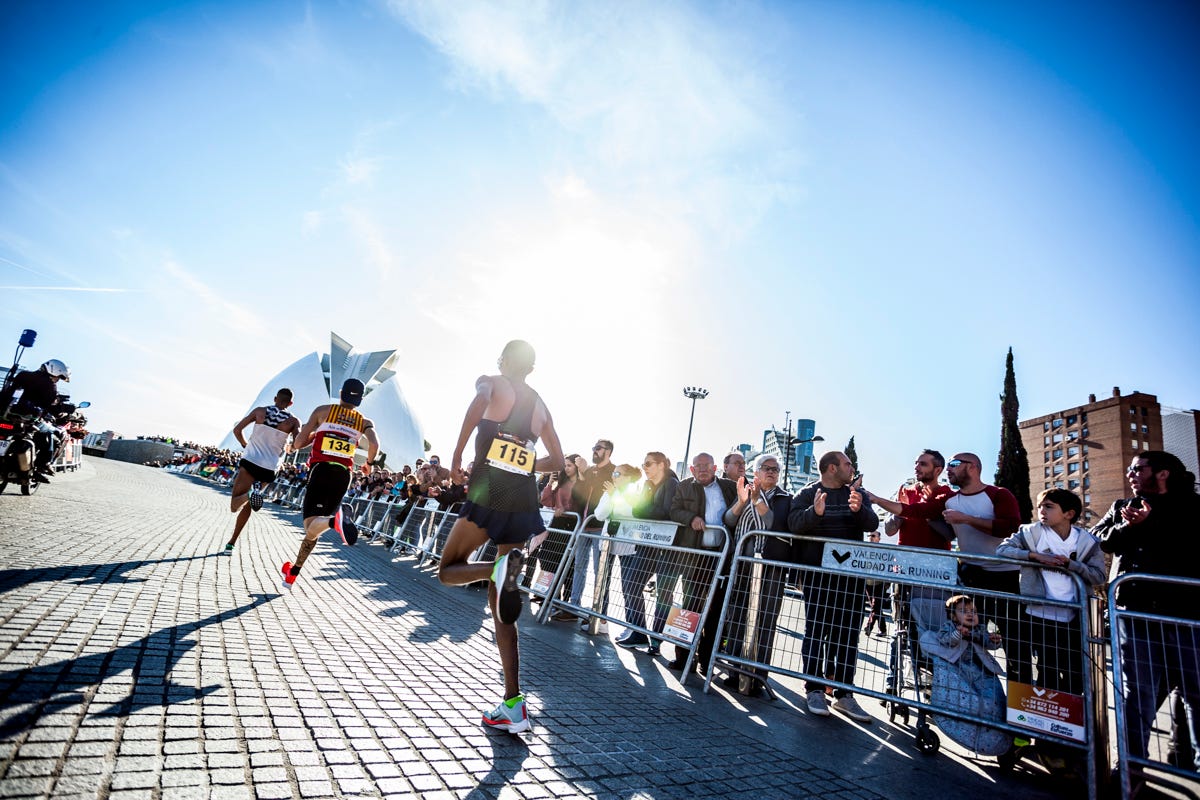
{"x": 139, "y": 451}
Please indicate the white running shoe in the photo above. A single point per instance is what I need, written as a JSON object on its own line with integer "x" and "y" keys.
{"x": 505, "y": 574}
{"x": 513, "y": 718}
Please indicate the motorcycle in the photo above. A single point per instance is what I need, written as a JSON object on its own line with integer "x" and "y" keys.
{"x": 17, "y": 452}
{"x": 18, "y": 448}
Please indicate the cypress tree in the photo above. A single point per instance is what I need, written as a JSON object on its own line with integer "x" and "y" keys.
{"x": 852, "y": 454}
{"x": 1012, "y": 465}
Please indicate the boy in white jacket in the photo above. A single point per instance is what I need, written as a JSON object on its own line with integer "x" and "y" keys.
{"x": 1053, "y": 632}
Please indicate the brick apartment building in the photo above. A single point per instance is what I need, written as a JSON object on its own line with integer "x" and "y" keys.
{"x": 1087, "y": 448}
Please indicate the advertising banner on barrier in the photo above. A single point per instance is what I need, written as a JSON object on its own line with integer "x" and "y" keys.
{"x": 884, "y": 563}
{"x": 1046, "y": 711}
{"x": 682, "y": 624}
{"x": 647, "y": 531}
{"x": 542, "y": 584}
{"x": 547, "y": 515}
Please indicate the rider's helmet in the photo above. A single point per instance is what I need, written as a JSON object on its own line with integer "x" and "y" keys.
{"x": 56, "y": 369}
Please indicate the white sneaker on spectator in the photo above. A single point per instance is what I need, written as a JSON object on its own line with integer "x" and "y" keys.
{"x": 817, "y": 704}
{"x": 850, "y": 707}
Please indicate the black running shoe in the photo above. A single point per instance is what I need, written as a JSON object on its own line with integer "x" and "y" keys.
{"x": 505, "y": 574}
{"x": 343, "y": 523}
{"x": 256, "y": 499}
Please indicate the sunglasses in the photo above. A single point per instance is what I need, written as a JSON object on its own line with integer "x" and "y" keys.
{"x": 768, "y": 469}
{"x": 616, "y": 474}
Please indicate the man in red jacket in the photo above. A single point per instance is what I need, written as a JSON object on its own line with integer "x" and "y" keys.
{"x": 982, "y": 516}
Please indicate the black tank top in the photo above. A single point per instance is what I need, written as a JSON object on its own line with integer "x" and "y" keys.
{"x": 503, "y": 478}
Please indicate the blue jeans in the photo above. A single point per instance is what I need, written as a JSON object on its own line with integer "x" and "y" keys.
{"x": 636, "y": 570}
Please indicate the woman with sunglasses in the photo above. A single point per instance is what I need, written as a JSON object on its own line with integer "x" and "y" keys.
{"x": 761, "y": 506}
{"x": 653, "y": 502}
{"x": 558, "y": 495}
{"x": 617, "y": 500}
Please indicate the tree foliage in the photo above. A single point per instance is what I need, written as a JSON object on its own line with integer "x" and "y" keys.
{"x": 852, "y": 454}
{"x": 1012, "y": 465}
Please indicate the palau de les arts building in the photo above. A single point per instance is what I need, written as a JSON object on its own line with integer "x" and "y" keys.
{"x": 317, "y": 378}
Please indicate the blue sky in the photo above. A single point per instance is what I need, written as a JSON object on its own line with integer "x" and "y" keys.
{"x": 848, "y": 210}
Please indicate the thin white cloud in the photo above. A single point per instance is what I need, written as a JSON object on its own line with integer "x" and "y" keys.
{"x": 645, "y": 81}
{"x": 311, "y": 221}
{"x": 372, "y": 239}
{"x": 227, "y": 314}
{"x": 358, "y": 169}
{"x": 672, "y": 106}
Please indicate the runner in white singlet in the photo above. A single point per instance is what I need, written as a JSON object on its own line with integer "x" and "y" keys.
{"x": 273, "y": 425}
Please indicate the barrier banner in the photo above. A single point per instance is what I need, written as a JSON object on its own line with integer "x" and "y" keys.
{"x": 887, "y": 563}
{"x": 682, "y": 624}
{"x": 647, "y": 531}
{"x": 1046, "y": 711}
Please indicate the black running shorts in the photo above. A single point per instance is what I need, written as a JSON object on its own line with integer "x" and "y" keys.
{"x": 327, "y": 485}
{"x": 260, "y": 474}
{"x": 504, "y": 527}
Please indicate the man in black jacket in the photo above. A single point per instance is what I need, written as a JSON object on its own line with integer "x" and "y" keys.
{"x": 833, "y": 603}
{"x": 1155, "y": 532}
{"x": 700, "y": 501}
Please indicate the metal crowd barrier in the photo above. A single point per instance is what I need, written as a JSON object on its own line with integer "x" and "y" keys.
{"x": 767, "y": 630}
{"x": 374, "y": 518}
{"x": 282, "y": 491}
{"x": 541, "y": 570}
{"x": 69, "y": 457}
{"x": 1156, "y": 656}
{"x": 636, "y": 551}
{"x": 411, "y": 530}
{"x": 434, "y": 533}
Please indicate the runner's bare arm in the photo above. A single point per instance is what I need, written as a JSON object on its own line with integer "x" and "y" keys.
{"x": 253, "y": 416}
{"x": 549, "y": 437}
{"x": 372, "y": 447}
{"x": 483, "y": 396}
{"x": 304, "y": 437}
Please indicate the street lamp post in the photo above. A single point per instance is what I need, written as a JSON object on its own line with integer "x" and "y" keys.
{"x": 792, "y": 442}
{"x": 695, "y": 393}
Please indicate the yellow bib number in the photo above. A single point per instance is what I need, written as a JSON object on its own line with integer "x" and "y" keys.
{"x": 510, "y": 457}
{"x": 339, "y": 448}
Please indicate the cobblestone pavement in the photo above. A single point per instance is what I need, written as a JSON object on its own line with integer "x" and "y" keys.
{"x": 137, "y": 662}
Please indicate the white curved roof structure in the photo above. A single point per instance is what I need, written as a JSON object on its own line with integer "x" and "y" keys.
{"x": 316, "y": 379}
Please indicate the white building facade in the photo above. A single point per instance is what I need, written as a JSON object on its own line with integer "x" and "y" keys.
{"x": 317, "y": 378}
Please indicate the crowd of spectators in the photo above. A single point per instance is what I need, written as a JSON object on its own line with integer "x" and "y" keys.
{"x": 205, "y": 460}
{"x": 980, "y": 518}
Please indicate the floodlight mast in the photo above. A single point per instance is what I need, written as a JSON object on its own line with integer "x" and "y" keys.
{"x": 695, "y": 393}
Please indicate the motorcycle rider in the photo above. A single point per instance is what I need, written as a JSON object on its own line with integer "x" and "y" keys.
{"x": 39, "y": 393}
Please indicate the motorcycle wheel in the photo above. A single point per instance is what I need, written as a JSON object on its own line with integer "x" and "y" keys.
{"x": 29, "y": 486}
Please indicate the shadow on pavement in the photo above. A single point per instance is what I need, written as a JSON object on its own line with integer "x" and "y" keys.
{"x": 84, "y": 574}
{"x": 68, "y": 680}
{"x": 509, "y": 753}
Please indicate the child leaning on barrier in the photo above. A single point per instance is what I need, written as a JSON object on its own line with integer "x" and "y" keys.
{"x": 1052, "y": 632}
{"x": 966, "y": 678}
